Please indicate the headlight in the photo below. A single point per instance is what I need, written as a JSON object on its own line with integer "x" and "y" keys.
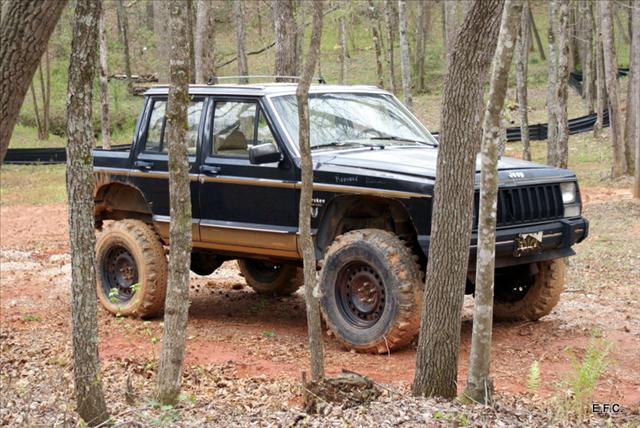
{"x": 568, "y": 192}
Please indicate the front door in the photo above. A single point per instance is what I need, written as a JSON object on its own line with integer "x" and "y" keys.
{"x": 245, "y": 208}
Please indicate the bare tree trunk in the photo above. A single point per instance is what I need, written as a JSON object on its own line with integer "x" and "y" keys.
{"x": 104, "y": 85}
{"x": 24, "y": 34}
{"x": 240, "y": 36}
{"x": 552, "y": 107}
{"x": 632, "y": 103}
{"x": 422, "y": 31}
{"x": 80, "y": 186}
{"x": 342, "y": 37}
{"x": 43, "y": 93}
{"x": 36, "y": 111}
{"x": 286, "y": 38}
{"x": 160, "y": 19}
{"x": 450, "y": 25}
{"x": 405, "y": 67}
{"x": 623, "y": 31}
{"x": 601, "y": 94}
{"x": 634, "y": 82}
{"x": 611, "y": 81}
{"x": 388, "y": 22}
{"x": 562, "y": 147}
{"x": 177, "y": 300}
{"x": 585, "y": 18}
{"x": 522, "y": 71}
{"x": 311, "y": 286}
{"x": 191, "y": 19}
{"x": 536, "y": 34}
{"x": 479, "y": 386}
{"x": 572, "y": 40}
{"x": 374, "y": 17}
{"x": 439, "y": 341}
{"x": 124, "y": 22}
{"x": 47, "y": 95}
{"x": 204, "y": 44}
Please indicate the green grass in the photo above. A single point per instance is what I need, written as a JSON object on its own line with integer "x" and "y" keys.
{"x": 32, "y": 184}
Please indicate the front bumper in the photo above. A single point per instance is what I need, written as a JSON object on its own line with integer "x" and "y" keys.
{"x": 557, "y": 238}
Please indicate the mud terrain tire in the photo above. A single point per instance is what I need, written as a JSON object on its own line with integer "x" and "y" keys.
{"x": 371, "y": 291}
{"x": 541, "y": 297}
{"x": 130, "y": 252}
{"x": 271, "y": 279}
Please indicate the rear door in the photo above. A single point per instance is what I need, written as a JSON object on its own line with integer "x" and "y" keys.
{"x": 150, "y": 164}
{"x": 245, "y": 208}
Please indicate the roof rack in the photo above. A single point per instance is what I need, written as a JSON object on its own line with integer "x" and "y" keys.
{"x": 215, "y": 79}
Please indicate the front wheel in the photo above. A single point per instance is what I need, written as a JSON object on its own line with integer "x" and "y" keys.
{"x": 132, "y": 269}
{"x": 371, "y": 291}
{"x": 528, "y": 292}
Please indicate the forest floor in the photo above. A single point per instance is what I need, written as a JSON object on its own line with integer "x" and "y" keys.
{"x": 246, "y": 352}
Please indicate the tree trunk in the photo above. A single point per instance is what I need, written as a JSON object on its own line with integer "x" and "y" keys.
{"x": 572, "y": 40}
{"x": 585, "y": 18}
{"x": 562, "y": 147}
{"x": 104, "y": 85}
{"x": 36, "y": 111}
{"x": 422, "y": 31}
{"x": 124, "y": 22}
{"x": 623, "y": 31}
{"x": 24, "y": 34}
{"x": 601, "y": 94}
{"x": 160, "y": 20}
{"x": 405, "y": 67}
{"x": 191, "y": 24}
{"x": 632, "y": 103}
{"x": 439, "y": 341}
{"x": 177, "y": 300}
{"x": 342, "y": 37}
{"x": 522, "y": 71}
{"x": 286, "y": 38}
{"x": 43, "y": 92}
{"x": 388, "y": 22}
{"x": 479, "y": 386}
{"x": 47, "y": 97}
{"x": 204, "y": 44}
{"x": 149, "y": 15}
{"x": 450, "y": 25}
{"x": 80, "y": 186}
{"x": 634, "y": 82}
{"x": 240, "y": 36}
{"x": 611, "y": 81}
{"x": 536, "y": 34}
{"x": 552, "y": 84}
{"x": 311, "y": 286}
{"x": 374, "y": 17}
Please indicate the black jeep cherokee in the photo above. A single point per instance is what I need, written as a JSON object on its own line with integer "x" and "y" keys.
{"x": 374, "y": 169}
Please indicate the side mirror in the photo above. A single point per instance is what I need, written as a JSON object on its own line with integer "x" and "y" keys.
{"x": 264, "y": 153}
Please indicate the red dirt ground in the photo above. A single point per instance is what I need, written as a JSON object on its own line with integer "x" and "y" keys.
{"x": 267, "y": 336}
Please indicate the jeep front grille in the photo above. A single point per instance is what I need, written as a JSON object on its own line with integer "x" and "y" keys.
{"x": 517, "y": 205}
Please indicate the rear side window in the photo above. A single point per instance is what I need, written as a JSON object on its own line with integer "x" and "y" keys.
{"x": 157, "y": 129}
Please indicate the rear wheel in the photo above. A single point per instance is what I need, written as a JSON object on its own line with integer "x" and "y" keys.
{"x": 371, "y": 291}
{"x": 277, "y": 279}
{"x": 132, "y": 269}
{"x": 528, "y": 292}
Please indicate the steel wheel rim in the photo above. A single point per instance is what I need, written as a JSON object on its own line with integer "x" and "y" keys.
{"x": 360, "y": 294}
{"x": 119, "y": 274}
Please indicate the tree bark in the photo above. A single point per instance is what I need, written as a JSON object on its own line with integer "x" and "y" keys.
{"x": 611, "y": 81}
{"x": 635, "y": 76}
{"x": 522, "y": 71}
{"x": 389, "y": 24}
{"x": 632, "y": 101}
{"x": 536, "y": 34}
{"x": 286, "y": 38}
{"x": 80, "y": 186}
{"x": 422, "y": 31}
{"x": 374, "y": 17}
{"x": 450, "y": 25}
{"x": 562, "y": 147}
{"x": 405, "y": 67}
{"x": 311, "y": 286}
{"x": 342, "y": 37}
{"x": 104, "y": 85}
{"x": 439, "y": 341}
{"x": 240, "y": 36}
{"x": 204, "y": 43}
{"x": 552, "y": 84}
{"x": 177, "y": 300}
{"x": 601, "y": 94}
{"x": 43, "y": 92}
{"x": 24, "y": 33}
{"x": 160, "y": 19}
{"x": 585, "y": 18}
{"x": 479, "y": 386}
{"x": 124, "y": 22}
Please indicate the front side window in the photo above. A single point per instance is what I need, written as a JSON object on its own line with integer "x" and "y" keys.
{"x": 344, "y": 119}
{"x": 238, "y": 125}
{"x": 157, "y": 130}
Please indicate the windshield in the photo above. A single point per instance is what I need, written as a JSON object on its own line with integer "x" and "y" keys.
{"x": 343, "y": 119}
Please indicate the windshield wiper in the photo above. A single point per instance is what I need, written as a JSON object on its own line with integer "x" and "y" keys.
{"x": 337, "y": 143}
{"x": 402, "y": 139}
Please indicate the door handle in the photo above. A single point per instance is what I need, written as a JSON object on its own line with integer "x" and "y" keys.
{"x": 210, "y": 169}
{"x": 143, "y": 165}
